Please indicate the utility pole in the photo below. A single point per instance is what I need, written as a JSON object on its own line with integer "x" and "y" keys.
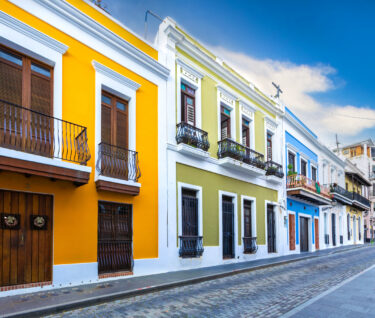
{"x": 337, "y": 144}
{"x": 278, "y": 90}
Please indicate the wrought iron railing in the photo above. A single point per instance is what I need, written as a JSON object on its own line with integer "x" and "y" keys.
{"x": 274, "y": 169}
{"x": 234, "y": 150}
{"x": 334, "y": 188}
{"x": 300, "y": 181}
{"x": 117, "y": 162}
{"x": 250, "y": 245}
{"x": 357, "y": 197}
{"x": 341, "y": 239}
{"x": 326, "y": 238}
{"x": 191, "y": 246}
{"x": 193, "y": 136}
{"x": 359, "y": 236}
{"x": 29, "y": 131}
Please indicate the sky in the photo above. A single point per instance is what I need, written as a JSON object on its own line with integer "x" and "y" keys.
{"x": 320, "y": 52}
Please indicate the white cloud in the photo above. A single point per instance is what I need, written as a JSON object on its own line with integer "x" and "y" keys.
{"x": 298, "y": 82}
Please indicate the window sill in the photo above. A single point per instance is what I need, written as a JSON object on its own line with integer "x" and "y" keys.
{"x": 117, "y": 185}
{"x": 241, "y": 166}
{"x": 274, "y": 179}
{"x": 192, "y": 151}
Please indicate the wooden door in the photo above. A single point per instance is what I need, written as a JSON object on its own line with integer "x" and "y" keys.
{"x": 304, "y": 232}
{"x": 271, "y": 231}
{"x": 115, "y": 237}
{"x": 292, "y": 232}
{"x": 316, "y": 227}
{"x": 228, "y": 227}
{"x": 25, "y": 238}
{"x": 333, "y": 224}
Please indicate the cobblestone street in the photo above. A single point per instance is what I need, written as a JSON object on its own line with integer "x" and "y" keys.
{"x": 267, "y": 292}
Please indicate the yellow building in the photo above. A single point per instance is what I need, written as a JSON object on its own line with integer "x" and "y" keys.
{"x": 79, "y": 101}
{"x": 356, "y": 183}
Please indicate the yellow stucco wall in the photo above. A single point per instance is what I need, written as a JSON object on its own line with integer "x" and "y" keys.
{"x": 76, "y": 208}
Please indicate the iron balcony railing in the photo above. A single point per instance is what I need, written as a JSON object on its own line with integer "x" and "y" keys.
{"x": 118, "y": 162}
{"x": 192, "y": 136}
{"x": 191, "y": 246}
{"x": 234, "y": 150}
{"x": 357, "y": 197}
{"x": 29, "y": 131}
{"x": 250, "y": 245}
{"x": 334, "y": 188}
{"x": 359, "y": 236}
{"x": 274, "y": 169}
{"x": 300, "y": 181}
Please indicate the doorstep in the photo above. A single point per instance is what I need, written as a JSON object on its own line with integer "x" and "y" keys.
{"x": 60, "y": 299}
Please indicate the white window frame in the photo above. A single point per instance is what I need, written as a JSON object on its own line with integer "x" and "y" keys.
{"x": 191, "y": 77}
{"x": 198, "y": 189}
{"x": 308, "y": 216}
{"x": 247, "y": 112}
{"x": 110, "y": 81}
{"x": 253, "y": 216}
{"x": 273, "y": 148}
{"x": 236, "y": 246}
{"x": 228, "y": 100}
{"x": 295, "y": 158}
{"x": 316, "y": 169}
{"x": 270, "y": 126}
{"x": 275, "y": 205}
{"x": 301, "y": 158}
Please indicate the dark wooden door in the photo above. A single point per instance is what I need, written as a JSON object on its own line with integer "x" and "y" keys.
{"x": 25, "y": 238}
{"x": 316, "y": 227}
{"x": 292, "y": 232}
{"x": 228, "y": 227}
{"x": 271, "y": 230}
{"x": 304, "y": 234}
{"x": 115, "y": 235}
{"x": 333, "y": 216}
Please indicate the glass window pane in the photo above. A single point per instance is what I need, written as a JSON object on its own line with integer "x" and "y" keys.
{"x": 226, "y": 111}
{"x": 106, "y": 99}
{"x": 11, "y": 57}
{"x": 183, "y": 87}
{"x": 189, "y": 101}
{"x": 41, "y": 70}
{"x": 121, "y": 106}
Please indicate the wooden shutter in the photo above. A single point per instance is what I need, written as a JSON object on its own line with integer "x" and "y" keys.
{"x": 121, "y": 129}
{"x": 106, "y": 124}
{"x": 41, "y": 93}
{"x": 292, "y": 232}
{"x": 190, "y": 110}
{"x": 11, "y": 80}
{"x": 247, "y": 219}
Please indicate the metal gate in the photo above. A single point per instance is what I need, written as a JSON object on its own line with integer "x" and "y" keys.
{"x": 271, "y": 231}
{"x": 115, "y": 235}
{"x": 189, "y": 216}
{"x": 333, "y": 229}
{"x": 228, "y": 227}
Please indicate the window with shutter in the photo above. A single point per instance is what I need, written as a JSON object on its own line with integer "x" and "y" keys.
{"x": 303, "y": 167}
{"x": 269, "y": 146}
{"x": 10, "y": 77}
{"x": 187, "y": 104}
{"x": 225, "y": 123}
{"x": 247, "y": 219}
{"x": 245, "y": 132}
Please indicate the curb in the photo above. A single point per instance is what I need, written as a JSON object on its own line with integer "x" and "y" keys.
{"x": 141, "y": 291}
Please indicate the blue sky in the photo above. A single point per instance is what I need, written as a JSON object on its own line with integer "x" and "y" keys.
{"x": 321, "y": 52}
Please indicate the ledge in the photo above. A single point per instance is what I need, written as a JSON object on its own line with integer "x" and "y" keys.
{"x": 192, "y": 151}
{"x": 274, "y": 179}
{"x": 241, "y": 166}
{"x": 117, "y": 185}
{"x": 43, "y": 167}
{"x": 313, "y": 198}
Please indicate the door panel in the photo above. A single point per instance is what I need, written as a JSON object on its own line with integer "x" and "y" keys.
{"x": 25, "y": 242}
{"x": 316, "y": 233}
{"x": 333, "y": 229}
{"x": 304, "y": 232}
{"x": 228, "y": 229}
{"x": 292, "y": 232}
{"x": 271, "y": 235}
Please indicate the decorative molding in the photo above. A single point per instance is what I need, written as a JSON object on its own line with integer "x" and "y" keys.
{"x": 247, "y": 109}
{"x": 226, "y": 97}
{"x": 190, "y": 72}
{"x": 75, "y": 17}
{"x": 270, "y": 124}
{"x": 32, "y": 33}
{"x": 115, "y": 76}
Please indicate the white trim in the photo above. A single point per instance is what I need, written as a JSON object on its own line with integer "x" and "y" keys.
{"x": 277, "y": 243}
{"x": 288, "y": 149}
{"x": 248, "y": 114}
{"x": 301, "y": 158}
{"x": 4, "y": 152}
{"x": 235, "y": 217}
{"x": 117, "y": 84}
{"x": 310, "y": 243}
{"x": 199, "y": 196}
{"x": 253, "y": 216}
{"x": 32, "y": 33}
{"x": 189, "y": 68}
{"x": 106, "y": 71}
{"x": 70, "y": 20}
{"x": 192, "y": 151}
{"x": 118, "y": 181}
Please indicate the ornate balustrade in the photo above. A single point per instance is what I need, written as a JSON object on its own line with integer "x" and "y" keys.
{"x": 250, "y": 245}
{"x": 191, "y": 246}
{"x": 193, "y": 136}
{"x": 300, "y": 181}
{"x": 274, "y": 169}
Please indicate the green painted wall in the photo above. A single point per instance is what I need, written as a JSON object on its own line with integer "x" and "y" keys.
{"x": 260, "y": 138}
{"x": 211, "y": 183}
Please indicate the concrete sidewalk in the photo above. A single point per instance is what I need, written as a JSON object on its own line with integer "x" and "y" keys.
{"x": 353, "y": 298}
{"x": 56, "y": 300}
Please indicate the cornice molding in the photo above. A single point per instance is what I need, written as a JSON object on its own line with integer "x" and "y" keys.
{"x": 226, "y": 92}
{"x": 100, "y": 68}
{"x": 189, "y": 68}
{"x": 32, "y": 33}
{"x": 88, "y": 25}
{"x": 245, "y": 104}
{"x": 195, "y": 52}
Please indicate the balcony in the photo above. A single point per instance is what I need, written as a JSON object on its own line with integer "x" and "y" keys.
{"x": 236, "y": 156}
{"x": 192, "y": 140}
{"x": 274, "y": 169}
{"x": 41, "y": 145}
{"x": 121, "y": 168}
{"x": 340, "y": 194}
{"x": 191, "y": 246}
{"x": 360, "y": 201}
{"x": 250, "y": 245}
{"x": 306, "y": 189}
